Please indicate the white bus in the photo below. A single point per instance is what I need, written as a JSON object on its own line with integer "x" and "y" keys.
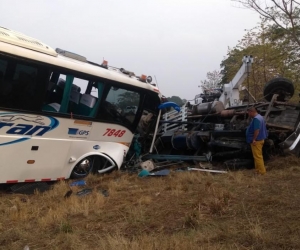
{"x": 62, "y": 116}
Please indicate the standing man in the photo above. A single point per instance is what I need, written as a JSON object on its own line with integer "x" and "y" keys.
{"x": 256, "y": 134}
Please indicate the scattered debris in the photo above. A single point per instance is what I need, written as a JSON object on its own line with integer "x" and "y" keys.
{"x": 68, "y": 194}
{"x": 161, "y": 172}
{"x": 84, "y": 192}
{"x": 104, "y": 192}
{"x": 148, "y": 165}
{"x": 145, "y": 173}
{"x": 78, "y": 183}
{"x": 207, "y": 170}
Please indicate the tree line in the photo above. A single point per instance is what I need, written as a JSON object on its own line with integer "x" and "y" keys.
{"x": 274, "y": 45}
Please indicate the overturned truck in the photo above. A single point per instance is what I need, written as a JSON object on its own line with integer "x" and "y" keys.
{"x": 219, "y": 134}
{"x": 214, "y": 130}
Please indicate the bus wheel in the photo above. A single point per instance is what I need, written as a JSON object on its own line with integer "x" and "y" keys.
{"x": 83, "y": 168}
{"x": 103, "y": 164}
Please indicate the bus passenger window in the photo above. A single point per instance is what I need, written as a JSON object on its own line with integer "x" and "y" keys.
{"x": 86, "y": 105}
{"x": 3, "y": 86}
{"x": 55, "y": 95}
{"x": 3, "y": 65}
{"x": 74, "y": 101}
{"x": 18, "y": 85}
{"x": 70, "y": 96}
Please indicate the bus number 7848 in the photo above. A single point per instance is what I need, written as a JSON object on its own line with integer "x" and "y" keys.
{"x": 114, "y": 132}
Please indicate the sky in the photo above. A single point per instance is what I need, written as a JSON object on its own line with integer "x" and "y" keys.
{"x": 175, "y": 41}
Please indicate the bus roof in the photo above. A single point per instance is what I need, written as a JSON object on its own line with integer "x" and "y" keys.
{"x": 19, "y": 39}
{"x": 18, "y": 44}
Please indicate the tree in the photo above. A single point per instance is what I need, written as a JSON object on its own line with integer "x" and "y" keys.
{"x": 176, "y": 99}
{"x": 213, "y": 80}
{"x": 283, "y": 14}
{"x": 281, "y": 19}
{"x": 128, "y": 98}
{"x": 270, "y": 59}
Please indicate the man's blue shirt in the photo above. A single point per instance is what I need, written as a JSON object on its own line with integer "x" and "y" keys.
{"x": 257, "y": 122}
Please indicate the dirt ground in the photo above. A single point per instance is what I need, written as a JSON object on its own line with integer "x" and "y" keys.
{"x": 184, "y": 210}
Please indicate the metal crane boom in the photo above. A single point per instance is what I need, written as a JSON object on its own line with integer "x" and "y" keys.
{"x": 231, "y": 96}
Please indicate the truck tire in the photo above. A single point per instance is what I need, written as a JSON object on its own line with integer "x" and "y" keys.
{"x": 281, "y": 86}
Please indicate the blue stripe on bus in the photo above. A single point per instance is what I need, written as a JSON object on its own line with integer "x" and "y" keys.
{"x": 54, "y": 122}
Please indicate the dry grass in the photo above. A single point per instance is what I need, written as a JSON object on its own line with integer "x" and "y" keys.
{"x": 185, "y": 210}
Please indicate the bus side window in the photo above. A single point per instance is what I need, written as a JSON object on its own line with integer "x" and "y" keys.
{"x": 49, "y": 91}
{"x": 71, "y": 95}
{"x": 74, "y": 102}
{"x": 98, "y": 89}
{"x": 59, "y": 91}
{"x": 86, "y": 105}
{"x": 22, "y": 88}
{"x": 66, "y": 94}
{"x": 4, "y": 87}
{"x": 55, "y": 94}
{"x": 1, "y": 81}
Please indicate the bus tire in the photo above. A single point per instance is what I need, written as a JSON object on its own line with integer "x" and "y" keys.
{"x": 281, "y": 86}
{"x": 83, "y": 168}
{"x": 103, "y": 164}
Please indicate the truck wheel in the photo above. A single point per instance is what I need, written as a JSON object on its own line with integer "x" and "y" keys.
{"x": 281, "y": 86}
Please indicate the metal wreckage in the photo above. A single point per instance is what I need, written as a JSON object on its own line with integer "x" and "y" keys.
{"x": 212, "y": 129}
